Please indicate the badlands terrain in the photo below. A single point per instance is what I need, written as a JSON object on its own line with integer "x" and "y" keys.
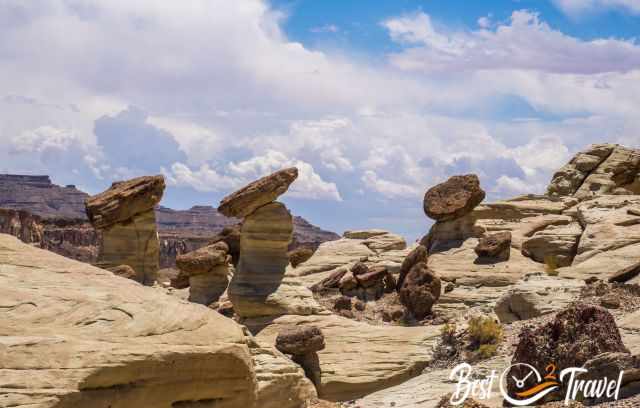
{"x": 250, "y": 316}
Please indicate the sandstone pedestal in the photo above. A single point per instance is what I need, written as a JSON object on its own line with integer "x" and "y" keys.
{"x": 135, "y": 244}
{"x": 125, "y": 214}
{"x": 264, "y": 239}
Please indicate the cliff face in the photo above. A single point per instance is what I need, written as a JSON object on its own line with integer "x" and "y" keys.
{"x": 39, "y": 196}
{"x": 53, "y": 217}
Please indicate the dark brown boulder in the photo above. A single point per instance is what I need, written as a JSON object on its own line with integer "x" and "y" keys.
{"x": 300, "y": 340}
{"x": 496, "y": 245}
{"x": 299, "y": 256}
{"x": 330, "y": 282}
{"x": 420, "y": 290}
{"x": 454, "y": 198}
{"x": 359, "y": 269}
{"x": 342, "y": 303}
{"x": 576, "y": 335}
{"x": 258, "y": 193}
{"x": 203, "y": 260}
{"x": 374, "y": 276}
{"x": 419, "y": 254}
{"x": 124, "y": 200}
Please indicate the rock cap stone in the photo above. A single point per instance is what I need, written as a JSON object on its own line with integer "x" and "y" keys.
{"x": 258, "y": 193}
{"x": 123, "y": 200}
{"x": 203, "y": 260}
{"x": 300, "y": 340}
{"x": 454, "y": 198}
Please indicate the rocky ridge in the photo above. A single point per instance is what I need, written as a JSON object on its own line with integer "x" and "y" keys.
{"x": 522, "y": 262}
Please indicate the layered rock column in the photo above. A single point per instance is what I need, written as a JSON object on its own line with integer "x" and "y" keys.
{"x": 266, "y": 232}
{"x": 125, "y": 215}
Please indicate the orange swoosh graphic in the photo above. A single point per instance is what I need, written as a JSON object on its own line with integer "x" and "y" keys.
{"x": 537, "y": 389}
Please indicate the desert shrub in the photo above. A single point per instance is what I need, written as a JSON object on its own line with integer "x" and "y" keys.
{"x": 551, "y": 265}
{"x": 487, "y": 351}
{"x": 484, "y": 330}
{"x": 448, "y": 333}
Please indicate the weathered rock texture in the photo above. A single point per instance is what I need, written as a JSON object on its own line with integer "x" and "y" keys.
{"x": 420, "y": 290}
{"x": 73, "y": 335}
{"x": 299, "y": 255}
{"x": 496, "y": 245}
{"x": 555, "y": 244}
{"x": 358, "y": 358}
{"x": 536, "y": 295}
{"x": 263, "y": 191}
{"x": 574, "y": 336}
{"x": 599, "y": 170}
{"x": 264, "y": 240}
{"x": 125, "y": 215}
{"x": 454, "y": 198}
{"x": 22, "y": 224}
{"x": 124, "y": 200}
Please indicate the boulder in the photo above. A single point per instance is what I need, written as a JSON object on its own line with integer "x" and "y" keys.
{"x": 420, "y": 290}
{"x": 454, "y": 198}
{"x": 79, "y": 336}
{"x": 299, "y": 256}
{"x": 419, "y": 254}
{"x": 123, "y": 200}
{"x": 264, "y": 239}
{"x": 496, "y": 245}
{"x": 258, "y": 193}
{"x": 574, "y": 336}
{"x": 203, "y": 260}
{"x": 300, "y": 340}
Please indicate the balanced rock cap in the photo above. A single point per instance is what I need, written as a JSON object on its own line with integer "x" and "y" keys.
{"x": 203, "y": 260}
{"x": 263, "y": 191}
{"x": 123, "y": 200}
{"x": 300, "y": 340}
{"x": 456, "y": 197}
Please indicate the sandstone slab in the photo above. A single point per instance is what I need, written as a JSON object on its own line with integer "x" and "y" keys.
{"x": 358, "y": 358}
{"x": 124, "y": 200}
{"x": 258, "y": 193}
{"x": 77, "y": 336}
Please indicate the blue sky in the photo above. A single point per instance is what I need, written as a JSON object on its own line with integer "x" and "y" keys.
{"x": 358, "y": 21}
{"x": 374, "y": 101}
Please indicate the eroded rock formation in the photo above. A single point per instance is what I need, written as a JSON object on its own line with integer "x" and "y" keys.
{"x": 265, "y": 235}
{"x": 207, "y": 271}
{"x": 125, "y": 215}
